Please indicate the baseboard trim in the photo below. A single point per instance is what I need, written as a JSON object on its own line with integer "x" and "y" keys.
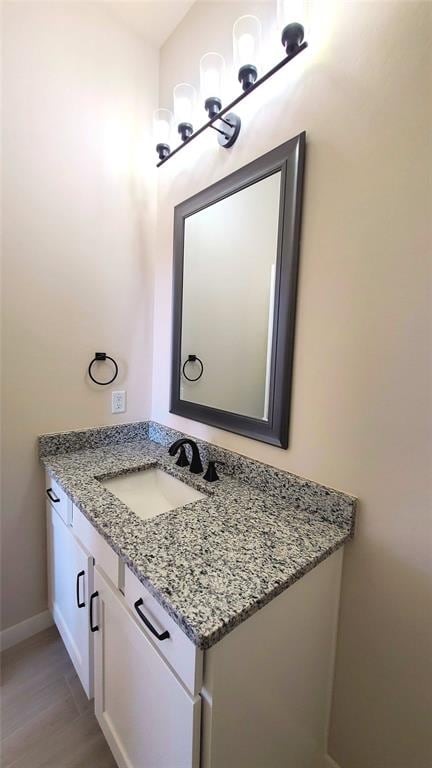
{"x": 13, "y": 635}
{"x": 330, "y": 763}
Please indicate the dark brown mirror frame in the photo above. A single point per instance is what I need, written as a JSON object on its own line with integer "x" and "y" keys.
{"x": 289, "y": 159}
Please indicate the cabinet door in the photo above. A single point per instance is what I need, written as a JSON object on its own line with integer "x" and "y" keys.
{"x": 147, "y": 716}
{"x": 70, "y": 573}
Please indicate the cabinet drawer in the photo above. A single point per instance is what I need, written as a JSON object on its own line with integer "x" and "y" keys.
{"x": 58, "y": 499}
{"x": 105, "y": 557}
{"x": 183, "y": 656}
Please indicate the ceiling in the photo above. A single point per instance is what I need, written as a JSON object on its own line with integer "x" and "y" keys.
{"x": 153, "y": 20}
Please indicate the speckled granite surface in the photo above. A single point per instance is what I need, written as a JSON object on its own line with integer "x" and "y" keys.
{"x": 64, "y": 442}
{"x": 213, "y": 562}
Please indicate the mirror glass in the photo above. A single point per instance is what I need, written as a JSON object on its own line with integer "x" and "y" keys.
{"x": 229, "y": 269}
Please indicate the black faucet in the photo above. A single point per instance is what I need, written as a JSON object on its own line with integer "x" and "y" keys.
{"x": 196, "y": 465}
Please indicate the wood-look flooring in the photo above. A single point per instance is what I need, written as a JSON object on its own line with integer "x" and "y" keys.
{"x": 46, "y": 718}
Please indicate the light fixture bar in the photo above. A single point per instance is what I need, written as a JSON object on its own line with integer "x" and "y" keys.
{"x": 236, "y": 101}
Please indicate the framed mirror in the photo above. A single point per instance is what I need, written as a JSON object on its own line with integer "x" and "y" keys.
{"x": 236, "y": 252}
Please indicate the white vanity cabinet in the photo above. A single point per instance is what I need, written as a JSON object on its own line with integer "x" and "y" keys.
{"x": 258, "y": 698}
{"x": 147, "y": 715}
{"x": 70, "y": 584}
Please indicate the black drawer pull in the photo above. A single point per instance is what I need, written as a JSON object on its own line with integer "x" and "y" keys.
{"x": 51, "y": 495}
{"x": 163, "y": 635}
{"x": 80, "y": 605}
{"x": 92, "y": 627}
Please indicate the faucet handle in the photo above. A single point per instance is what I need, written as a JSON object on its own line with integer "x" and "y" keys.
{"x": 211, "y": 475}
{"x": 182, "y": 460}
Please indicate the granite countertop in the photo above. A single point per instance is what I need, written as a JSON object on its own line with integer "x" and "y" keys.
{"x": 213, "y": 562}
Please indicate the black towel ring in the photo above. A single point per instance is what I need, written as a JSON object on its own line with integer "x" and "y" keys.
{"x": 193, "y": 359}
{"x": 102, "y": 356}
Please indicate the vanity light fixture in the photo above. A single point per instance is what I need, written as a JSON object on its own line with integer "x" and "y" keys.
{"x": 212, "y": 73}
{"x": 162, "y": 130}
{"x": 247, "y": 45}
{"x": 292, "y": 18}
{"x": 247, "y": 49}
{"x": 184, "y": 109}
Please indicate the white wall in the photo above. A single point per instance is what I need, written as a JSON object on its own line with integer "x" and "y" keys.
{"x": 78, "y": 91}
{"x": 361, "y": 406}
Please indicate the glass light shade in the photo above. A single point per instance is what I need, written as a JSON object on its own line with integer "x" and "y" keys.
{"x": 292, "y": 12}
{"x": 212, "y": 72}
{"x": 184, "y": 96}
{"x": 162, "y": 126}
{"x": 247, "y": 42}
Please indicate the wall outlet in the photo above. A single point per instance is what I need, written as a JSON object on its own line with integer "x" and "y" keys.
{"x": 118, "y": 401}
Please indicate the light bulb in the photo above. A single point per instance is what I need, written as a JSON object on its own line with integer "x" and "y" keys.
{"x": 184, "y": 108}
{"x": 184, "y": 103}
{"x": 247, "y": 49}
{"x": 211, "y": 82}
{"x": 293, "y": 22}
{"x": 292, "y": 12}
{"x": 162, "y": 129}
{"x": 212, "y": 71}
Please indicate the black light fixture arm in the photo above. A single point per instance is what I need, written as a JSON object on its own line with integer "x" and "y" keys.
{"x": 219, "y": 130}
{"x": 228, "y": 135}
{"x": 237, "y": 100}
{"x": 227, "y": 122}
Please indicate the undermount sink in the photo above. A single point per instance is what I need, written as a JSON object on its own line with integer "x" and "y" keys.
{"x": 151, "y": 491}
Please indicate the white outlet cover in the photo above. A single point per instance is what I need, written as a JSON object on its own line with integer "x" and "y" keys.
{"x": 118, "y": 401}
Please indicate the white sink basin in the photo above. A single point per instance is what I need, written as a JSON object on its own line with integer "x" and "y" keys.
{"x": 151, "y": 491}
